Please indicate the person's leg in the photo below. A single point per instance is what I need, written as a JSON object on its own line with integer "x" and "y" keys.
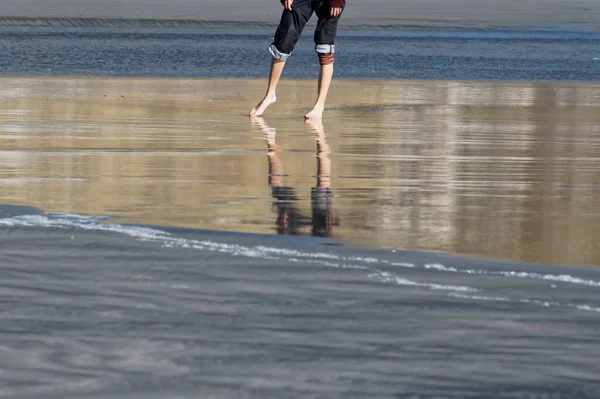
{"x": 324, "y": 46}
{"x": 325, "y": 76}
{"x": 288, "y": 32}
{"x": 270, "y": 96}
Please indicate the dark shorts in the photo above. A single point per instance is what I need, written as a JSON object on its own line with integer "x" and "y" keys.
{"x": 293, "y": 22}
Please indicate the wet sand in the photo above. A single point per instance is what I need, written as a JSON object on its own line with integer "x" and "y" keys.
{"x": 95, "y": 307}
{"x": 372, "y": 13}
{"x": 502, "y": 170}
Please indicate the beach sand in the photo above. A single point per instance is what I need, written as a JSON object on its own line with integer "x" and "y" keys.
{"x": 505, "y": 170}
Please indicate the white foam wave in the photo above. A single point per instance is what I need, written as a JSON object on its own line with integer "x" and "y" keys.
{"x": 564, "y": 278}
{"x": 292, "y": 252}
{"x": 587, "y": 308}
{"x": 539, "y": 302}
{"x": 365, "y": 260}
{"x": 440, "y": 267}
{"x": 400, "y": 264}
{"x": 70, "y": 221}
{"x": 391, "y": 278}
{"x": 480, "y": 298}
{"x": 63, "y": 221}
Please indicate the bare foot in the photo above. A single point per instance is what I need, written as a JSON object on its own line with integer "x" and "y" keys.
{"x": 315, "y": 113}
{"x": 262, "y": 106}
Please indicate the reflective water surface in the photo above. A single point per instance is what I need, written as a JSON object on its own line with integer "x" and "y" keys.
{"x": 505, "y": 170}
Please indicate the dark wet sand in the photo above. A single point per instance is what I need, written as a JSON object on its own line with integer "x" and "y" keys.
{"x": 97, "y": 310}
{"x": 502, "y": 170}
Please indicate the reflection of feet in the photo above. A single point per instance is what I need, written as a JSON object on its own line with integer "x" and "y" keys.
{"x": 268, "y": 131}
{"x": 315, "y": 124}
{"x": 322, "y": 146}
{"x": 273, "y": 147}
{"x": 315, "y": 113}
{"x": 262, "y": 106}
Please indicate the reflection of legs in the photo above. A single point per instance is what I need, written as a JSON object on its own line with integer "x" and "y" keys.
{"x": 288, "y": 217}
{"x": 275, "y": 164}
{"x": 321, "y": 195}
{"x": 323, "y": 151}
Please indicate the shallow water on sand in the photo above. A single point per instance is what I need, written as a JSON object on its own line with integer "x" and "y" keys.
{"x": 84, "y": 47}
{"x": 501, "y": 170}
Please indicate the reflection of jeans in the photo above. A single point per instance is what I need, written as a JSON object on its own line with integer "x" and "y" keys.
{"x": 289, "y": 219}
{"x": 283, "y": 194}
{"x": 322, "y": 211}
{"x": 292, "y": 24}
